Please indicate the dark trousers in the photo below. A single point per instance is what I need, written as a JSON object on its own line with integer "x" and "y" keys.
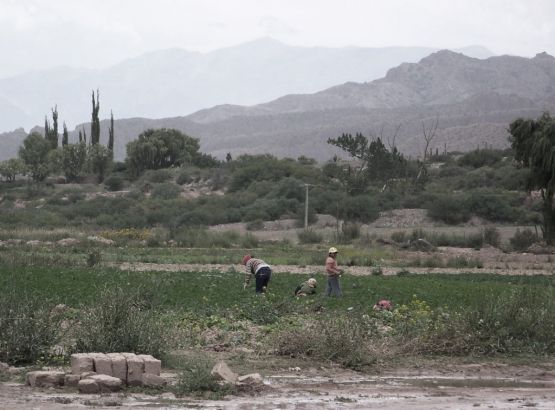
{"x": 262, "y": 278}
{"x": 333, "y": 286}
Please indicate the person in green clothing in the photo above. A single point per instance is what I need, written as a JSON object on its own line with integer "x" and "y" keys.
{"x": 306, "y": 288}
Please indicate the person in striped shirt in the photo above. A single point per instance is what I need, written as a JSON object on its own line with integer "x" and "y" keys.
{"x": 261, "y": 271}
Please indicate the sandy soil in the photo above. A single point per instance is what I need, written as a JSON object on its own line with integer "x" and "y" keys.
{"x": 454, "y": 387}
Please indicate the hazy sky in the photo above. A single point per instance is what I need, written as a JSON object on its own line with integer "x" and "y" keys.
{"x": 36, "y": 34}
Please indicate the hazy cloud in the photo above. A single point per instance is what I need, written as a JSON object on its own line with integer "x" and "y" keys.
{"x": 94, "y": 33}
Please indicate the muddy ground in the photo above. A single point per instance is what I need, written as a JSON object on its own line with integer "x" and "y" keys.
{"x": 486, "y": 385}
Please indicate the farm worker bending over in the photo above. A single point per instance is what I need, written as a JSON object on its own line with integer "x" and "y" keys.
{"x": 306, "y": 288}
{"x": 261, "y": 271}
{"x": 334, "y": 273}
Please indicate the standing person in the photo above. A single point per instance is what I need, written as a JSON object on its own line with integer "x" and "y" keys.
{"x": 261, "y": 271}
{"x": 334, "y": 273}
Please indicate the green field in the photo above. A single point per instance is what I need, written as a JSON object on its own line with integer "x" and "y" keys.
{"x": 214, "y": 292}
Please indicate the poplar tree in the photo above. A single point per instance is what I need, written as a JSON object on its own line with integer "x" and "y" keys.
{"x": 65, "y": 136}
{"x": 111, "y": 133}
{"x": 95, "y": 122}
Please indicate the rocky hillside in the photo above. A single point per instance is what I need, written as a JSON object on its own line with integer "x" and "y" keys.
{"x": 175, "y": 82}
{"x": 474, "y": 101}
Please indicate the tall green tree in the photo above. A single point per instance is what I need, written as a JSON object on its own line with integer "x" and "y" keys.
{"x": 34, "y": 153}
{"x": 11, "y": 168}
{"x": 374, "y": 163}
{"x": 51, "y": 133}
{"x": 95, "y": 122}
{"x": 162, "y": 148}
{"x": 74, "y": 157}
{"x": 534, "y": 144}
{"x": 65, "y": 136}
{"x": 111, "y": 133}
{"x": 99, "y": 160}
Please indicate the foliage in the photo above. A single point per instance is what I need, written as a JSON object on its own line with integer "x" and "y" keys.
{"x": 27, "y": 327}
{"x": 158, "y": 175}
{"x": 99, "y": 159}
{"x": 196, "y": 379}
{"x": 449, "y": 209}
{"x": 522, "y": 239}
{"x": 74, "y": 157}
{"x": 165, "y": 191}
{"x": 491, "y": 236}
{"x": 34, "y": 154}
{"x": 94, "y": 257}
{"x": 10, "y": 168}
{"x": 161, "y": 148}
{"x": 122, "y": 320}
{"x": 114, "y": 182}
{"x": 95, "y": 120}
{"x": 336, "y": 338}
{"x": 534, "y": 144}
{"x": 309, "y": 236}
{"x": 376, "y": 162}
{"x": 480, "y": 158}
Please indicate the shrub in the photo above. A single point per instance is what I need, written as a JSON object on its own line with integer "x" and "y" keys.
{"x": 522, "y": 240}
{"x": 93, "y": 258}
{"x": 255, "y": 225}
{"x": 448, "y": 209}
{"x": 480, "y": 158}
{"x": 184, "y": 178}
{"x": 27, "y": 328}
{"x": 309, "y": 236}
{"x": 399, "y": 236}
{"x": 165, "y": 191}
{"x": 196, "y": 379}
{"x": 350, "y": 230}
{"x": 122, "y": 320}
{"x": 377, "y": 271}
{"x": 491, "y": 236}
{"x": 158, "y": 176}
{"x": 114, "y": 183}
{"x": 339, "y": 339}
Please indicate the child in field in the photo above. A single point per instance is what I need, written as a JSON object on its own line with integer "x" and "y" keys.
{"x": 306, "y": 288}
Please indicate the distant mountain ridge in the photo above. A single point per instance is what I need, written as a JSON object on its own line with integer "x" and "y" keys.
{"x": 174, "y": 82}
{"x": 474, "y": 101}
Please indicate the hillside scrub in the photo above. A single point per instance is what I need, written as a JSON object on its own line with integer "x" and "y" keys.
{"x": 262, "y": 187}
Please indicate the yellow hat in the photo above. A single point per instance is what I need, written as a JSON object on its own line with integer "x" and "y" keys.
{"x": 332, "y": 250}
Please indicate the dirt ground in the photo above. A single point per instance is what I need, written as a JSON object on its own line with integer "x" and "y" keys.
{"x": 493, "y": 260}
{"x": 486, "y": 385}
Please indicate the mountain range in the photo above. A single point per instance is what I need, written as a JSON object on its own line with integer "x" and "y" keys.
{"x": 176, "y": 82}
{"x": 473, "y": 101}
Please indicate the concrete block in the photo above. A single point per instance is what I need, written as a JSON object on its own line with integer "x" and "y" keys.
{"x": 45, "y": 379}
{"x": 86, "y": 375}
{"x": 135, "y": 370}
{"x": 152, "y": 380}
{"x": 88, "y": 386}
{"x": 107, "y": 383}
{"x": 119, "y": 366}
{"x": 81, "y": 362}
{"x": 152, "y": 365}
{"x": 102, "y": 364}
{"x": 71, "y": 380}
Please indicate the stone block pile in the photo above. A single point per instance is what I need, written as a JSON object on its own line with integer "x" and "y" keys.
{"x": 100, "y": 372}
